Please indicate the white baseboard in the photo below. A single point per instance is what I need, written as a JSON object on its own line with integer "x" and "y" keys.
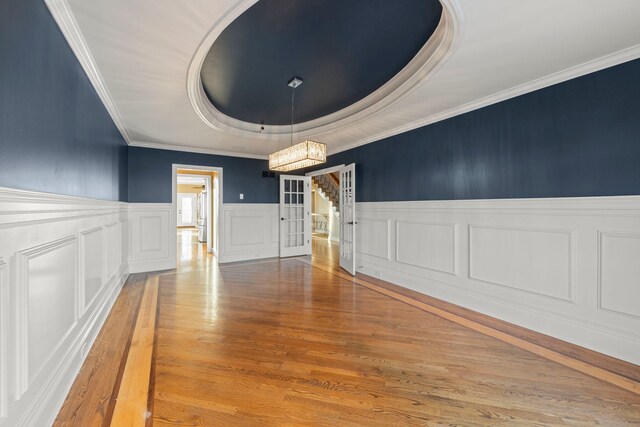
{"x": 567, "y": 268}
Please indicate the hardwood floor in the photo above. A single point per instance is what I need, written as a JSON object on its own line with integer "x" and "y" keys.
{"x": 92, "y": 397}
{"x": 281, "y": 342}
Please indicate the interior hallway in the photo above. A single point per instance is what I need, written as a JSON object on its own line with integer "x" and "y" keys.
{"x": 291, "y": 342}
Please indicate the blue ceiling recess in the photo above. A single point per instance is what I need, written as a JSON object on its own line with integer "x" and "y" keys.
{"x": 343, "y": 49}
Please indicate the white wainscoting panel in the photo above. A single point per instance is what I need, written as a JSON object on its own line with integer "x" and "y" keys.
{"x": 92, "y": 271}
{"x": 533, "y": 260}
{"x": 47, "y": 301}
{"x": 427, "y": 245}
{"x": 114, "y": 246}
{"x": 619, "y": 287}
{"x": 373, "y": 238}
{"x": 54, "y": 255}
{"x": 152, "y": 238}
{"x": 565, "y": 267}
{"x": 249, "y": 231}
{"x": 4, "y": 309}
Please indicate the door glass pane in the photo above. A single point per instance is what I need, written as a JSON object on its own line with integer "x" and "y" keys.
{"x": 294, "y": 199}
{"x": 287, "y": 199}
{"x": 287, "y": 187}
{"x": 187, "y": 210}
{"x": 301, "y": 199}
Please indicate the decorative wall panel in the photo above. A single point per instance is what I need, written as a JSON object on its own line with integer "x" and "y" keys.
{"x": 59, "y": 295}
{"x": 564, "y": 267}
{"x": 427, "y": 245}
{"x": 532, "y": 260}
{"x": 92, "y": 265}
{"x": 619, "y": 279}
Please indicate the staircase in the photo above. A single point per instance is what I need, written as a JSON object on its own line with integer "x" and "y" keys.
{"x": 330, "y": 187}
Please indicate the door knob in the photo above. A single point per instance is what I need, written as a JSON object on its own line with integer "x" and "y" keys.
{"x": 282, "y": 219}
{"x": 352, "y": 222}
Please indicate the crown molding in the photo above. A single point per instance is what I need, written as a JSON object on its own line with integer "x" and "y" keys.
{"x": 65, "y": 19}
{"x": 188, "y": 149}
{"x": 610, "y": 60}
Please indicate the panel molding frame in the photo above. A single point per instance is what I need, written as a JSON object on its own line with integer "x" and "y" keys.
{"x": 570, "y": 233}
{"x": 83, "y": 306}
{"x": 23, "y": 370}
{"x": 268, "y": 247}
{"x": 388, "y": 235}
{"x": 601, "y": 235}
{"x": 164, "y": 256}
{"x": 107, "y": 275}
{"x": 456, "y": 249}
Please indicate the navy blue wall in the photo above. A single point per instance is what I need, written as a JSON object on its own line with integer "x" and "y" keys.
{"x": 55, "y": 134}
{"x": 150, "y": 176}
{"x": 577, "y": 138}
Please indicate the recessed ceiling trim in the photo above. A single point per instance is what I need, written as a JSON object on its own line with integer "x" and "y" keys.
{"x": 427, "y": 61}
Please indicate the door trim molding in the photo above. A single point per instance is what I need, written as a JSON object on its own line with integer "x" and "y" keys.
{"x": 174, "y": 204}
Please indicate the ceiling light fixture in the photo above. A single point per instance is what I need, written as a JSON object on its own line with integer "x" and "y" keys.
{"x": 302, "y": 155}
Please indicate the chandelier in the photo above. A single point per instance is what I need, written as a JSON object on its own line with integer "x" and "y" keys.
{"x": 302, "y": 155}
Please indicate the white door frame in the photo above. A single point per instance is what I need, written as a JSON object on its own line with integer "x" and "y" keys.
{"x": 215, "y": 249}
{"x": 209, "y": 189}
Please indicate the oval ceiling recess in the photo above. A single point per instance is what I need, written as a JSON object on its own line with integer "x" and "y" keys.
{"x": 344, "y": 50}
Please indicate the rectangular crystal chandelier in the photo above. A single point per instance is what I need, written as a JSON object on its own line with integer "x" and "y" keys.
{"x": 302, "y": 155}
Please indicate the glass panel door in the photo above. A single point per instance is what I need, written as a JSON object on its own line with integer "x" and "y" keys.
{"x": 295, "y": 215}
{"x": 348, "y": 218}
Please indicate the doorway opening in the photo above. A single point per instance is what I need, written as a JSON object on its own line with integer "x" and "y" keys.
{"x": 333, "y": 216}
{"x": 197, "y": 199}
{"x": 325, "y": 217}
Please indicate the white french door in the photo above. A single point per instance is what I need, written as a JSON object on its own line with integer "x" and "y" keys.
{"x": 187, "y": 209}
{"x": 348, "y": 218}
{"x": 295, "y": 215}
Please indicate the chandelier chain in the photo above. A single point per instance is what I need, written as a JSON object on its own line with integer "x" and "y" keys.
{"x": 293, "y": 97}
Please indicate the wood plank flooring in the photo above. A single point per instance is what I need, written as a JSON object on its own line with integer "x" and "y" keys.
{"x": 92, "y": 397}
{"x": 281, "y": 342}
{"x": 132, "y": 400}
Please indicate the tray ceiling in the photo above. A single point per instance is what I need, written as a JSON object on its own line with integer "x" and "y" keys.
{"x": 143, "y": 58}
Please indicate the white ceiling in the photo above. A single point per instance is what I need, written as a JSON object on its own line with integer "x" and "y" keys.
{"x": 138, "y": 56}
